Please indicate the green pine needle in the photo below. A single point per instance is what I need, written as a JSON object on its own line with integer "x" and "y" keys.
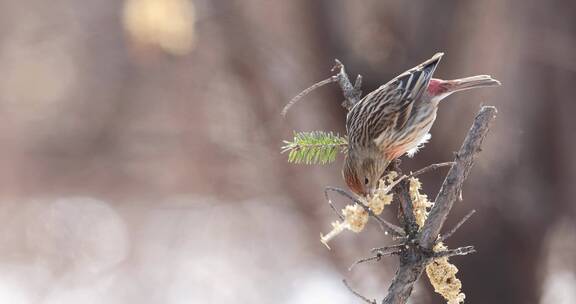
{"x": 315, "y": 147}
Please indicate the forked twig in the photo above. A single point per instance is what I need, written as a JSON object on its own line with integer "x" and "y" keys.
{"x": 340, "y": 216}
{"x": 460, "y": 223}
{"x": 378, "y": 256}
{"x": 430, "y": 168}
{"x": 365, "y": 299}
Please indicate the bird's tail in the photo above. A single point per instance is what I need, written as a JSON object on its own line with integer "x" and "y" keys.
{"x": 478, "y": 81}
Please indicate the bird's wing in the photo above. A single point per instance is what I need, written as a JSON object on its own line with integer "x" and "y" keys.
{"x": 389, "y": 106}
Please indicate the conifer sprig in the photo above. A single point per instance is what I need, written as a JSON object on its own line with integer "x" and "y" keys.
{"x": 316, "y": 147}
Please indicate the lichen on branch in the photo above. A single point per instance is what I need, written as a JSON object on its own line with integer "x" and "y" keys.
{"x": 440, "y": 272}
{"x": 356, "y": 216}
{"x": 442, "y": 276}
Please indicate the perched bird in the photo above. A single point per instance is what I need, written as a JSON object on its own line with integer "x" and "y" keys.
{"x": 395, "y": 119}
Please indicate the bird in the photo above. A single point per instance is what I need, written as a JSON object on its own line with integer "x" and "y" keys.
{"x": 395, "y": 119}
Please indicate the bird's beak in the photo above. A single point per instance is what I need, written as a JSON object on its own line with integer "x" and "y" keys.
{"x": 371, "y": 191}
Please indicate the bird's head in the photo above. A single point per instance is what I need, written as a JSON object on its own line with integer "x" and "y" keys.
{"x": 362, "y": 173}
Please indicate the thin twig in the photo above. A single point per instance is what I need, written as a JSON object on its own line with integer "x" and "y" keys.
{"x": 378, "y": 256}
{"x": 340, "y": 216}
{"x": 460, "y": 223}
{"x": 307, "y": 91}
{"x": 365, "y": 299}
{"x": 387, "y": 248}
{"x": 430, "y": 168}
{"x": 452, "y": 252}
{"x": 352, "y": 93}
{"x": 395, "y": 230}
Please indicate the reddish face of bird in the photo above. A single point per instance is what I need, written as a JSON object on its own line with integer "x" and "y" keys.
{"x": 351, "y": 179}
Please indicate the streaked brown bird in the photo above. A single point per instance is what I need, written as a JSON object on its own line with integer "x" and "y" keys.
{"x": 395, "y": 119}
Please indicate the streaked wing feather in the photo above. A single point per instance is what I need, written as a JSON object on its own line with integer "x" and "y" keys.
{"x": 389, "y": 106}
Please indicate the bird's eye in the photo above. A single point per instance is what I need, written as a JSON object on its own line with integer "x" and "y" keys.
{"x": 366, "y": 181}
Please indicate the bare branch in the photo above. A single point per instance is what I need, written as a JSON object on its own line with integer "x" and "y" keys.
{"x": 455, "y": 228}
{"x": 412, "y": 265}
{"x": 430, "y": 168}
{"x": 453, "y": 183}
{"x": 378, "y": 256}
{"x": 352, "y": 93}
{"x": 452, "y": 252}
{"x": 306, "y": 92}
{"x": 365, "y": 299}
{"x": 340, "y": 216}
{"x": 387, "y": 248}
{"x": 402, "y": 193}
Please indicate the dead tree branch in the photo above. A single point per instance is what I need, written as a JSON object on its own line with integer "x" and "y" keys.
{"x": 452, "y": 185}
{"x": 414, "y": 259}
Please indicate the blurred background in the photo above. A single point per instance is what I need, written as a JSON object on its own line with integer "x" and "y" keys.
{"x": 140, "y": 139}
